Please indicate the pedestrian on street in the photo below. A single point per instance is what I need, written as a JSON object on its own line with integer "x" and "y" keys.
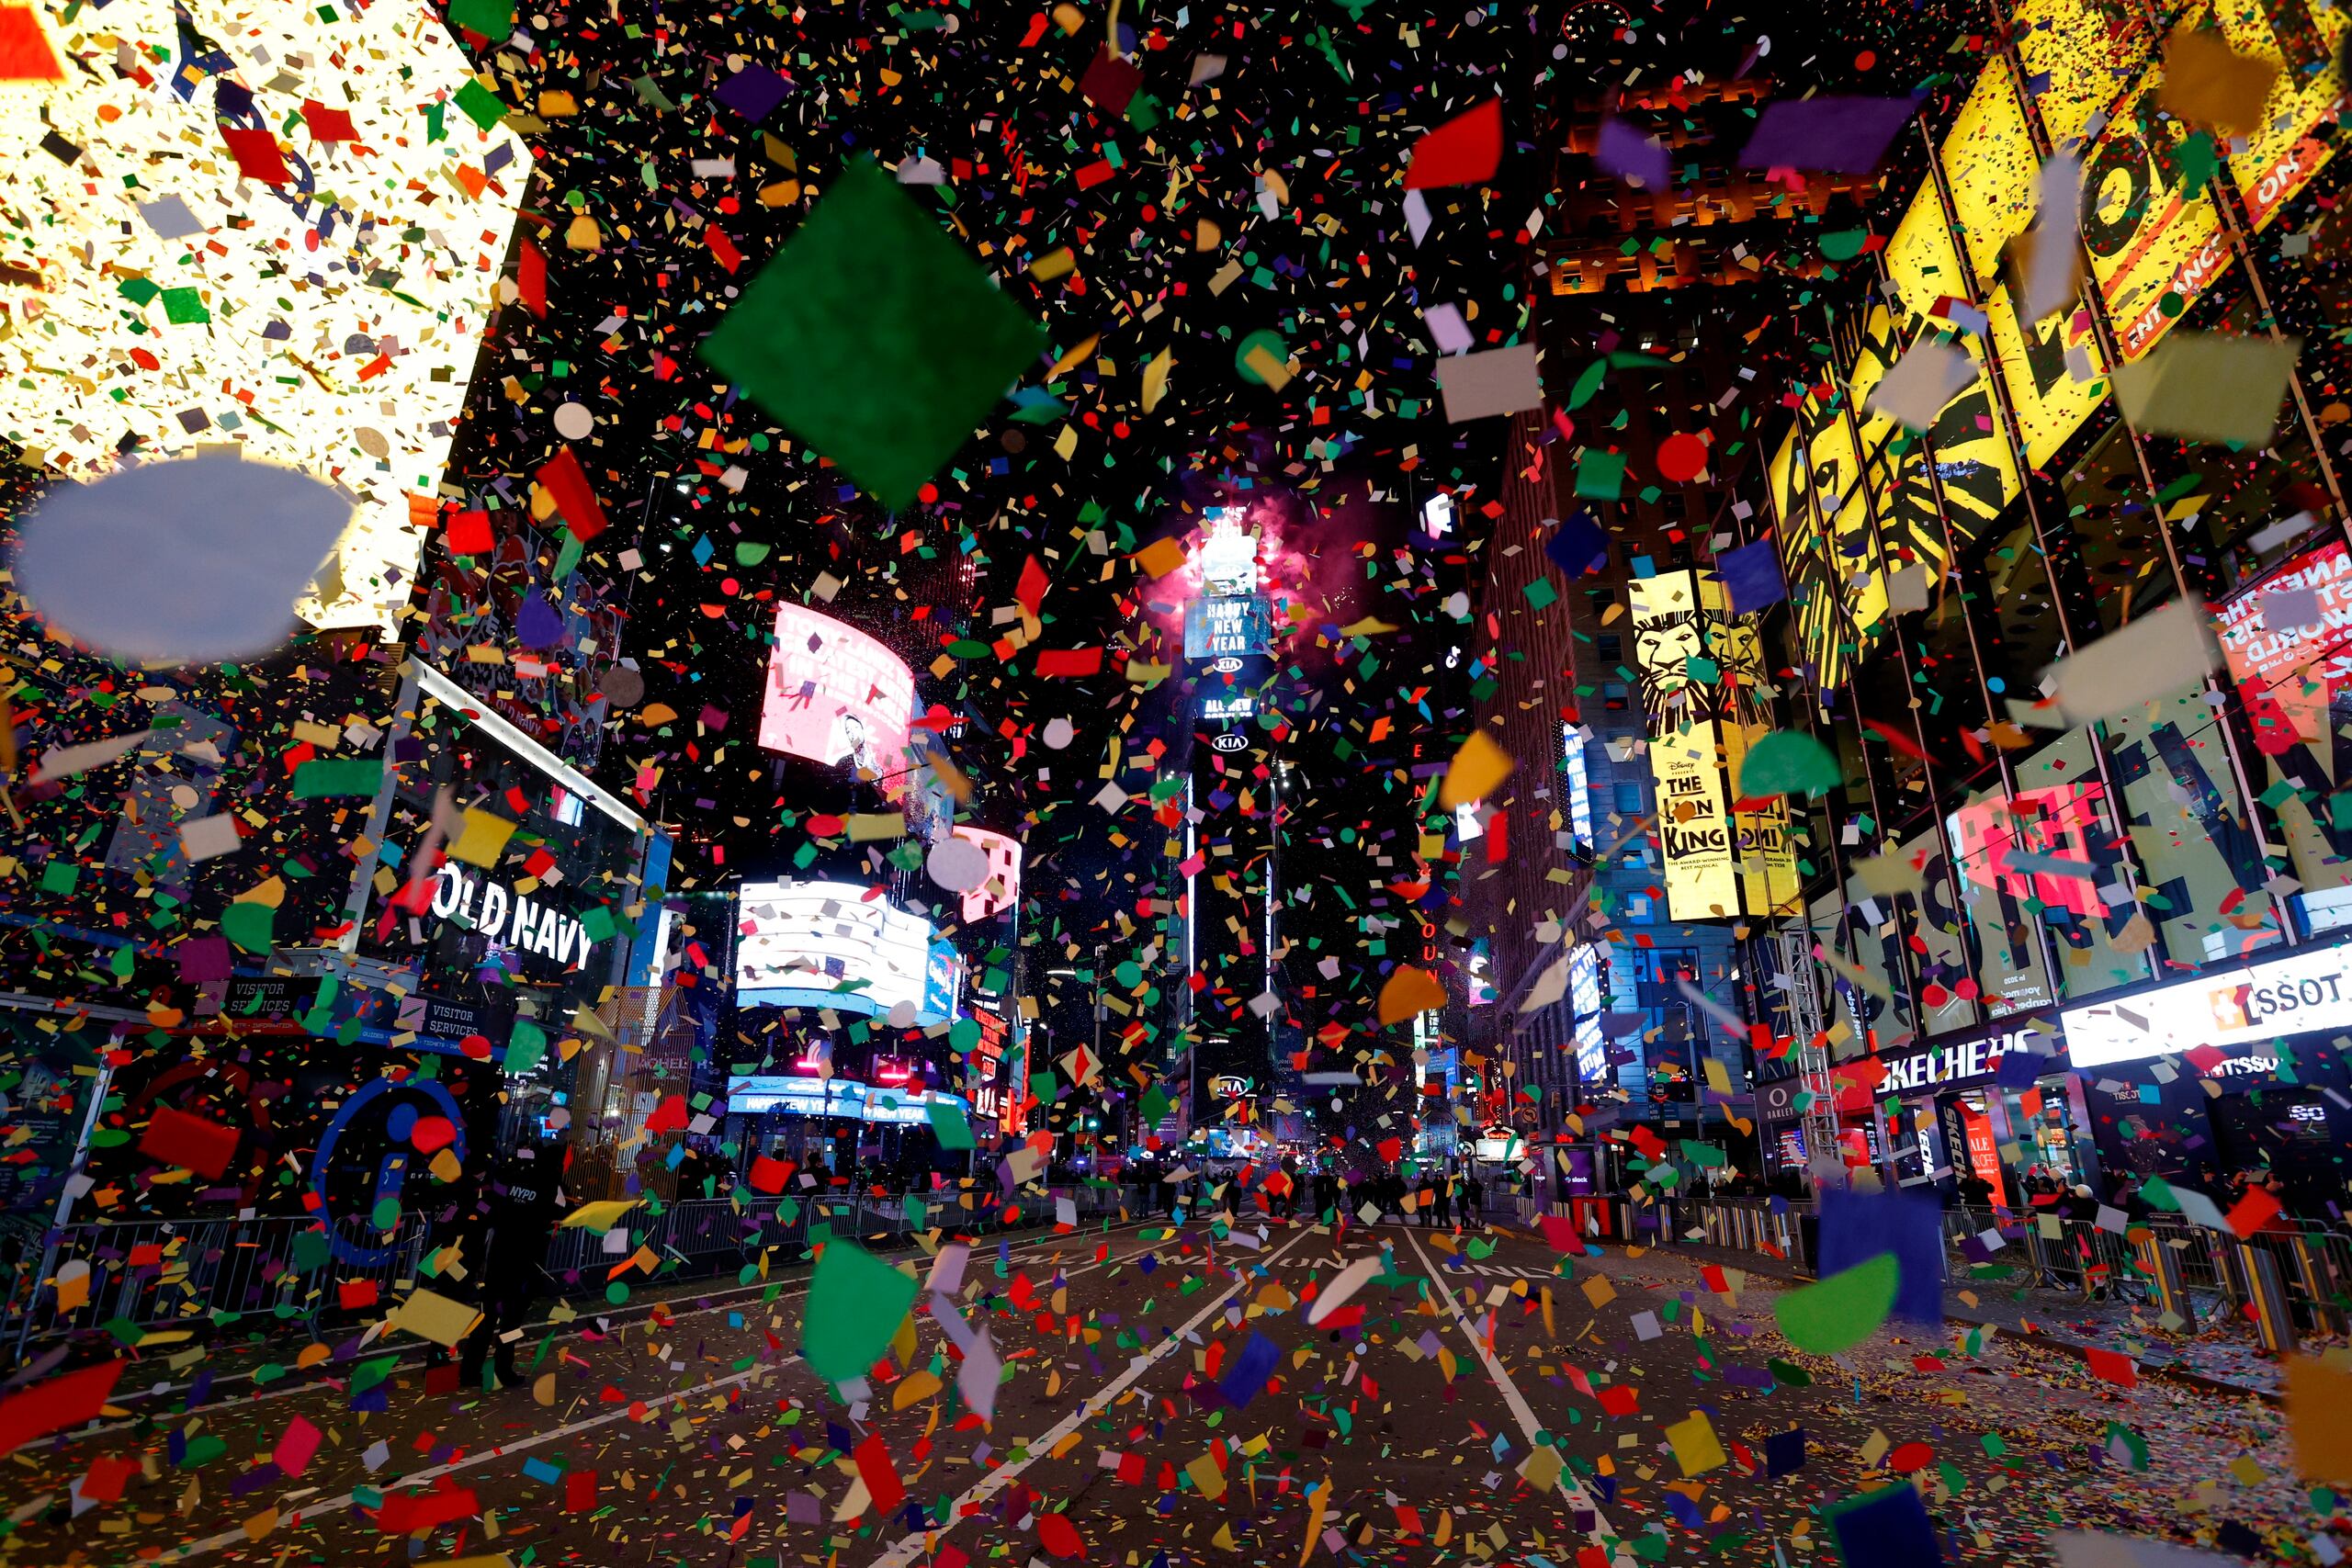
{"x": 1474, "y": 1199}
{"x": 526, "y": 1198}
{"x": 1444, "y": 1195}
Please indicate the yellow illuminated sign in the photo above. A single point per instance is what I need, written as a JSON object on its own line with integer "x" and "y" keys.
{"x": 2154, "y": 249}
{"x": 1974, "y": 464}
{"x": 1701, "y": 674}
{"x": 1990, "y": 169}
{"x": 1769, "y": 883}
{"x": 1826, "y": 484}
{"x": 2282, "y": 155}
{"x": 259, "y": 223}
{"x": 2055, "y": 374}
{"x": 2079, "y": 55}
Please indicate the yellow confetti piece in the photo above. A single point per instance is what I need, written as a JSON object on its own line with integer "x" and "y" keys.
{"x": 430, "y": 1315}
{"x": 1155, "y": 383}
{"x": 916, "y": 1386}
{"x": 1269, "y": 369}
{"x": 1474, "y": 773}
{"x": 1074, "y": 357}
{"x": 483, "y": 839}
{"x": 599, "y": 1216}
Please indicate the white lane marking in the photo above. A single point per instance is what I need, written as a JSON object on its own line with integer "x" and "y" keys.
{"x": 1520, "y": 1411}
{"x": 536, "y": 1439}
{"x": 410, "y": 1362}
{"x": 997, "y": 1480}
{"x": 539, "y": 1440}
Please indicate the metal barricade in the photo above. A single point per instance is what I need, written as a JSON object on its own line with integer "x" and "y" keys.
{"x": 2318, "y": 1276}
{"x": 2257, "y": 1283}
{"x": 2158, "y": 1264}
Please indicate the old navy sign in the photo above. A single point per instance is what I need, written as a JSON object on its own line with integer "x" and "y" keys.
{"x": 507, "y": 917}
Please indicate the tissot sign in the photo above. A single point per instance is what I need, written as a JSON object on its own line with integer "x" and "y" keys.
{"x": 507, "y": 917}
{"x": 2246, "y": 1003}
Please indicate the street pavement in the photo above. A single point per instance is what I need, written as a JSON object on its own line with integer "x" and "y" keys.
{"x": 1493, "y": 1403}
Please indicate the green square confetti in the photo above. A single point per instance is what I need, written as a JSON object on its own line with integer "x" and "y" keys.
{"x": 323, "y": 776}
{"x": 185, "y": 307}
{"x": 59, "y": 876}
{"x": 525, "y": 1047}
{"x": 484, "y": 107}
{"x": 948, "y": 1123}
{"x": 855, "y": 1301}
{"x": 493, "y": 19}
{"x": 1600, "y": 476}
{"x": 875, "y": 338}
{"x": 249, "y": 925}
{"x": 1540, "y": 593}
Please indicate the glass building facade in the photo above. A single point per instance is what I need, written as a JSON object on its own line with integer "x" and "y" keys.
{"x": 1984, "y": 865}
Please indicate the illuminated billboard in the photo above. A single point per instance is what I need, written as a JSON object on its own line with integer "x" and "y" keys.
{"x": 2154, "y": 242}
{"x": 1584, "y": 1005}
{"x": 1700, "y": 671}
{"x": 835, "y": 694}
{"x": 1002, "y": 887}
{"x": 2288, "y": 638}
{"x": 838, "y": 945}
{"x": 1842, "y": 467}
{"x": 268, "y": 224}
{"x": 1224, "y": 626}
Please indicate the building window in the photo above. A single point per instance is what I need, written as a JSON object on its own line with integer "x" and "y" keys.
{"x": 1632, "y": 799}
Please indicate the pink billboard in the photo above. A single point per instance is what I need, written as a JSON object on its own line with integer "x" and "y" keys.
{"x": 2288, "y": 641}
{"x": 1002, "y": 885}
{"x": 836, "y": 694}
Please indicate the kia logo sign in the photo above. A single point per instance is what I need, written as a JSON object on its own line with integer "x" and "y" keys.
{"x": 1231, "y": 740}
{"x": 1226, "y": 666}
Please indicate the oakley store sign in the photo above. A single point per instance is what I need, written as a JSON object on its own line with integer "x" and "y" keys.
{"x": 2251, "y": 1003}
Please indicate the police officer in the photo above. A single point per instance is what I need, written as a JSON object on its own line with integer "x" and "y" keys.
{"x": 526, "y": 1199}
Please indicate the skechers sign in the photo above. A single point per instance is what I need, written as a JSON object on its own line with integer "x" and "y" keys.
{"x": 2229, "y": 1007}
{"x": 501, "y": 916}
{"x": 1961, "y": 1062}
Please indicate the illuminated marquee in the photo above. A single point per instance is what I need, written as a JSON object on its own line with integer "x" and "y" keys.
{"x": 1584, "y": 1004}
{"x": 837, "y": 945}
{"x": 835, "y": 694}
{"x": 320, "y": 306}
{"x": 1701, "y": 674}
{"x": 1229, "y": 706}
{"x": 1227, "y": 627}
{"x": 2153, "y": 246}
{"x": 1002, "y": 888}
{"x": 508, "y": 918}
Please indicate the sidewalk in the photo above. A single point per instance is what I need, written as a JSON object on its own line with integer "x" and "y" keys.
{"x": 2222, "y": 1356}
